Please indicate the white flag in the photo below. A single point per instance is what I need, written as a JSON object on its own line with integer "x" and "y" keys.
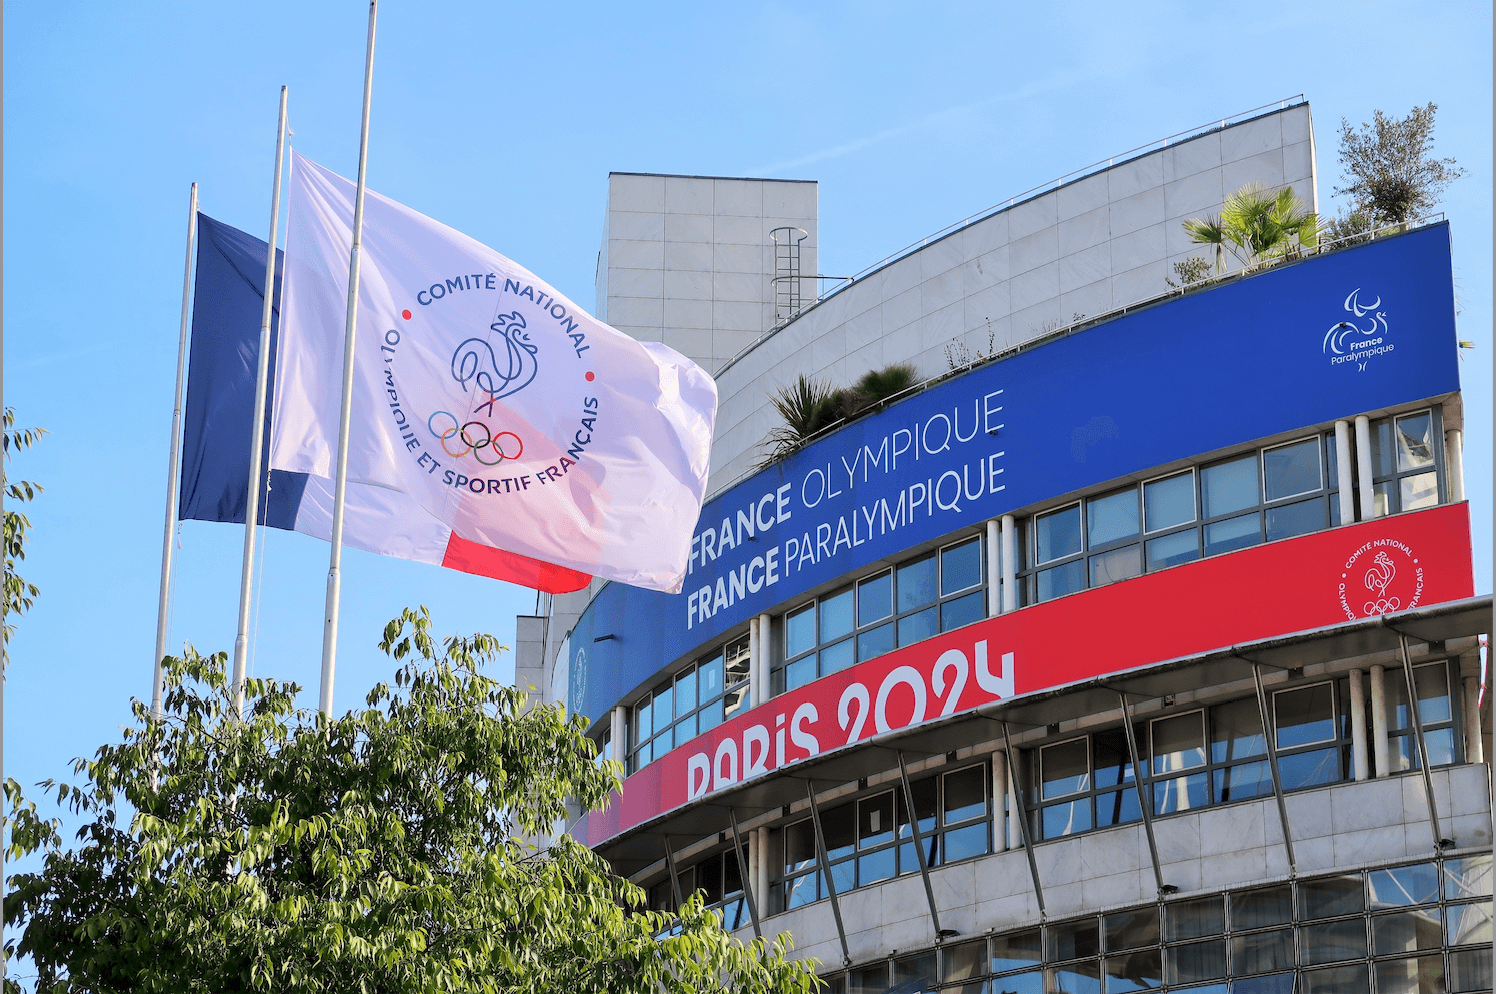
{"x": 488, "y": 399}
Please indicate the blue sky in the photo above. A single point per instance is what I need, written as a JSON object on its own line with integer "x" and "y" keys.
{"x": 503, "y": 121}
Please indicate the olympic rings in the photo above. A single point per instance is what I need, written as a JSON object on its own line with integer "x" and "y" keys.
{"x": 467, "y": 434}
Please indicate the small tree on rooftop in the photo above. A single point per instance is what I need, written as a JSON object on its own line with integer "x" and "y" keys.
{"x": 1256, "y": 227}
{"x": 1391, "y": 174}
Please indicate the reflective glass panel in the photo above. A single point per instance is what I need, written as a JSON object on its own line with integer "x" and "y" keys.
{"x": 1408, "y": 976}
{"x": 875, "y": 820}
{"x": 800, "y": 672}
{"x": 875, "y": 867}
{"x": 1057, "y": 534}
{"x": 799, "y": 845}
{"x": 1418, "y": 491}
{"x": 1381, "y": 447}
{"x": 963, "y": 962}
{"x": 1171, "y": 550}
{"x": 925, "y": 802}
{"x": 965, "y": 794}
{"x": 1015, "y": 950}
{"x": 1331, "y": 942}
{"x": 685, "y": 729}
{"x": 874, "y": 598}
{"x": 1381, "y": 499}
{"x": 964, "y": 843}
{"x": 1304, "y": 715}
{"x": 1470, "y": 970}
{"x": 839, "y": 828}
{"x": 709, "y": 879}
{"x": 1118, "y": 807}
{"x": 664, "y": 741}
{"x": 709, "y": 676}
{"x": 1112, "y": 517}
{"x": 1238, "y": 783}
{"x": 963, "y": 611}
{"x": 1179, "y": 742}
{"x": 734, "y": 701}
{"x": 1291, "y": 469}
{"x": 1181, "y": 793}
{"x": 868, "y": 979}
{"x": 1229, "y": 486}
{"x": 1077, "y": 978}
{"x": 1330, "y": 897}
{"x": 1192, "y": 919}
{"x": 1415, "y": 444}
{"x": 800, "y": 630}
{"x": 961, "y": 566}
{"x": 1404, "y": 885}
{"x": 1256, "y": 908}
{"x": 1118, "y": 564}
{"x": 1137, "y": 971}
{"x": 1298, "y": 518}
{"x": 909, "y": 969}
{"x": 685, "y": 691}
{"x": 1130, "y": 929}
{"x": 836, "y": 615}
{"x": 1072, "y": 940}
{"x": 1111, "y": 760}
{"x": 917, "y": 584}
{"x": 1196, "y": 961}
{"x": 1170, "y": 501}
{"x": 1232, "y": 534}
{"x": 874, "y": 643}
{"x": 1236, "y": 731}
{"x": 1262, "y": 952}
{"x": 1407, "y": 931}
{"x": 1018, "y": 983}
{"x": 1469, "y": 876}
{"x": 838, "y": 657}
{"x": 1467, "y": 923}
{"x": 1278, "y": 983}
{"x": 1307, "y": 769}
{"x": 1336, "y": 980}
{"x": 1062, "y": 580}
{"x": 643, "y": 713}
{"x": 1064, "y": 769}
{"x": 918, "y": 626}
{"x": 664, "y": 698}
{"x": 736, "y": 656}
{"x": 1067, "y": 818}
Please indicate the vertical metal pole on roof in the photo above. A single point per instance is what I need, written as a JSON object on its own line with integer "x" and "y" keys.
{"x": 1144, "y": 805}
{"x": 919, "y": 844}
{"x": 1428, "y": 777}
{"x": 821, "y": 856}
{"x": 174, "y": 462}
{"x": 1023, "y": 825}
{"x": 674, "y": 877}
{"x": 1270, "y": 738}
{"x": 737, "y": 847}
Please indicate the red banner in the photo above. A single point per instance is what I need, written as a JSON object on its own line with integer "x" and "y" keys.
{"x": 1345, "y": 574}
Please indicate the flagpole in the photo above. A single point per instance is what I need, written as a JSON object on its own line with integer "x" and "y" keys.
{"x": 257, "y": 426}
{"x": 174, "y": 462}
{"x": 350, "y": 327}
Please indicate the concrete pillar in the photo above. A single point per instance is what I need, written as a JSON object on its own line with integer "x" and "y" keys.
{"x": 619, "y": 732}
{"x": 1345, "y": 471}
{"x": 1379, "y": 719}
{"x": 760, "y": 837}
{"x": 766, "y": 650}
{"x": 1015, "y": 812}
{"x": 1363, "y": 463}
{"x": 755, "y": 663}
{"x": 1010, "y": 564}
{"x": 1454, "y": 464}
{"x": 994, "y": 569}
{"x": 1358, "y": 724}
{"x": 1474, "y": 743}
{"x": 999, "y": 801}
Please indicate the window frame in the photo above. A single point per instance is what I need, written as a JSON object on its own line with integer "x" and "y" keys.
{"x": 734, "y": 646}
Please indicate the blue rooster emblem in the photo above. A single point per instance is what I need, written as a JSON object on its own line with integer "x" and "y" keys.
{"x": 498, "y": 374}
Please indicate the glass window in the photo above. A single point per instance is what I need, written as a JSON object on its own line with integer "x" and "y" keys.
{"x": 664, "y": 708}
{"x": 800, "y": 672}
{"x": 1418, "y": 491}
{"x": 964, "y": 843}
{"x": 965, "y": 794}
{"x": 1112, "y": 517}
{"x": 839, "y": 826}
{"x": 1257, "y": 908}
{"x": 1015, "y": 951}
{"x": 874, "y": 643}
{"x": 1404, "y": 885}
{"x": 1171, "y": 550}
{"x": 1137, "y": 971}
{"x": 1299, "y": 518}
{"x": 869, "y": 979}
{"x": 1179, "y": 742}
{"x": 919, "y": 626}
{"x": 1304, "y": 715}
{"x": 685, "y": 692}
{"x": 963, "y": 962}
{"x": 1057, "y": 534}
{"x": 838, "y": 657}
{"x": 1381, "y": 448}
{"x": 1229, "y": 486}
{"x": 1415, "y": 446}
{"x": 799, "y": 630}
{"x": 1467, "y": 877}
{"x": 1196, "y": 961}
{"x": 734, "y": 701}
{"x": 1232, "y": 534}
{"x": 1236, "y": 731}
{"x": 1470, "y": 970}
{"x": 1062, "y": 580}
{"x": 1112, "y": 761}
{"x": 1292, "y": 469}
{"x": 1130, "y": 929}
{"x": 1467, "y": 923}
{"x": 915, "y": 969}
{"x": 917, "y": 583}
{"x": 1330, "y": 897}
{"x": 1238, "y": 783}
{"x": 961, "y": 566}
{"x": 1064, "y": 768}
{"x": 1336, "y": 980}
{"x": 1196, "y": 918}
{"x": 1071, "y": 940}
{"x": 1120, "y": 807}
{"x": 874, "y": 598}
{"x": 1406, "y": 931}
{"x": 711, "y": 678}
{"x": 1068, "y": 818}
{"x": 1017, "y": 983}
{"x": 963, "y": 611}
{"x": 1170, "y": 501}
{"x": 836, "y": 615}
{"x": 1118, "y": 564}
{"x": 736, "y": 655}
{"x": 1408, "y": 976}
{"x": 1331, "y": 942}
{"x": 1262, "y": 952}
{"x": 875, "y": 820}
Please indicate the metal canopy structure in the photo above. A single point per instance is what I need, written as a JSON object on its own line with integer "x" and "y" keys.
{"x": 647, "y": 843}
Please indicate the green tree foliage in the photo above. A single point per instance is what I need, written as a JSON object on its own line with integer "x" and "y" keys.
{"x": 1391, "y": 175}
{"x": 19, "y": 594}
{"x": 381, "y": 851}
{"x": 808, "y": 407}
{"x": 1257, "y": 227}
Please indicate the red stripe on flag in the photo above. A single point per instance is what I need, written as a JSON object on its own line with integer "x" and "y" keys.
{"x": 484, "y": 560}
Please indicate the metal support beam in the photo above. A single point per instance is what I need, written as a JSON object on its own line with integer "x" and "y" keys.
{"x": 1144, "y": 805}
{"x": 1023, "y": 826}
{"x": 1270, "y": 738}
{"x": 674, "y": 877}
{"x": 815, "y": 819}
{"x": 737, "y": 847}
{"x": 1428, "y": 777}
{"x": 919, "y": 849}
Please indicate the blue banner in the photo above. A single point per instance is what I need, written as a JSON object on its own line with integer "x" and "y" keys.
{"x": 1295, "y": 346}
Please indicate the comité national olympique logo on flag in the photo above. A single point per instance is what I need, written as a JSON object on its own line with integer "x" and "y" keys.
{"x": 1356, "y": 341}
{"x": 1380, "y": 577}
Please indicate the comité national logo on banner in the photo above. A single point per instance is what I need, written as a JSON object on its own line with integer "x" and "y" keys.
{"x": 490, "y": 400}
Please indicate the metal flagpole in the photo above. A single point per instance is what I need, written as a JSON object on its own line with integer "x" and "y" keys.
{"x": 257, "y": 429}
{"x": 174, "y": 463}
{"x": 350, "y": 326}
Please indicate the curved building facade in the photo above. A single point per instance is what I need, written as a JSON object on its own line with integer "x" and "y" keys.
{"x": 1135, "y": 648}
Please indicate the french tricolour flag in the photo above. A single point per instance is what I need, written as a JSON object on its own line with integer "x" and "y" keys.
{"x": 217, "y": 424}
